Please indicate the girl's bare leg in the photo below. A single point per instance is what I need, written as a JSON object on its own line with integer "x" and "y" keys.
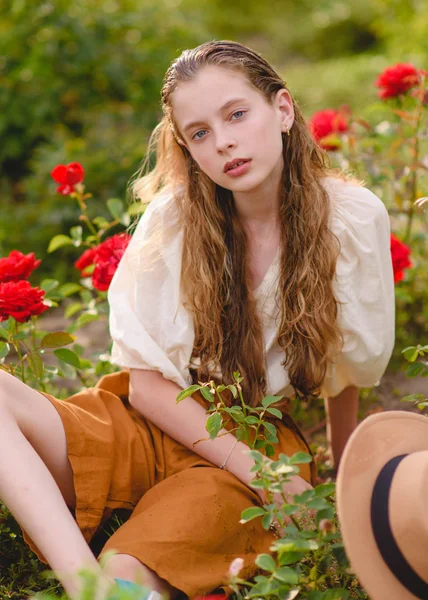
{"x": 36, "y": 480}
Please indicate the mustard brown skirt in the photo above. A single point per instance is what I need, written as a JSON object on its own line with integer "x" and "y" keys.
{"x": 184, "y": 511}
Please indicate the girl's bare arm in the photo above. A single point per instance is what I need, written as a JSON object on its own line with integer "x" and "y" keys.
{"x": 155, "y": 398}
{"x": 342, "y": 419}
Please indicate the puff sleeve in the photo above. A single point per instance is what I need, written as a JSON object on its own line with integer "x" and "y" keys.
{"x": 149, "y": 326}
{"x": 364, "y": 283}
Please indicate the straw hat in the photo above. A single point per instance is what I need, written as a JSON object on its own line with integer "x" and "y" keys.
{"x": 382, "y": 503}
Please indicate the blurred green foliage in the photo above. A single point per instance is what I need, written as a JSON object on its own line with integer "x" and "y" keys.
{"x": 81, "y": 82}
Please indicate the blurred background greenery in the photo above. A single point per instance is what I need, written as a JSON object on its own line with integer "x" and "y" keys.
{"x": 80, "y": 81}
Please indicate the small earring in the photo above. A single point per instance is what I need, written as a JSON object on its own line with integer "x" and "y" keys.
{"x": 287, "y": 130}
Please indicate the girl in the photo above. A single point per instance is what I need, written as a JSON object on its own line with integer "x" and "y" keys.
{"x": 253, "y": 255}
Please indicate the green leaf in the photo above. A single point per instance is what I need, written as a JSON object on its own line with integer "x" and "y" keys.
{"x": 85, "y": 363}
{"x": 287, "y": 575}
{"x": 275, "y": 412}
{"x": 68, "y": 356}
{"x": 49, "y": 285}
{"x": 300, "y": 458}
{"x": 207, "y": 394}
{"x": 268, "y": 400}
{"x": 187, "y": 392}
{"x": 233, "y": 389}
{"x": 252, "y": 513}
{"x": 36, "y": 364}
{"x": 57, "y": 339}
{"x": 72, "y": 309}
{"x": 270, "y": 450}
{"x": 100, "y": 222}
{"x": 259, "y": 444}
{"x": 115, "y": 206}
{"x": 251, "y": 420}
{"x": 4, "y": 333}
{"x": 58, "y": 241}
{"x": 240, "y": 434}
{"x": 325, "y": 489}
{"x": 266, "y": 562}
{"x": 125, "y": 219}
{"x": 4, "y": 349}
{"x": 325, "y": 513}
{"x": 290, "y": 558}
{"x": 414, "y": 369}
{"x": 270, "y": 428}
{"x": 318, "y": 503}
{"x": 267, "y": 521}
{"x": 83, "y": 319}
{"x": 411, "y": 353}
{"x": 256, "y": 456}
{"x": 66, "y": 370}
{"x": 214, "y": 424}
{"x": 68, "y": 289}
{"x": 76, "y": 235}
{"x": 306, "y": 496}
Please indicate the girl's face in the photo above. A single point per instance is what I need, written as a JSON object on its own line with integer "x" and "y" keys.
{"x": 222, "y": 117}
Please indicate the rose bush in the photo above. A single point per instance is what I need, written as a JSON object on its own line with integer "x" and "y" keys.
{"x": 21, "y": 303}
{"x": 391, "y": 156}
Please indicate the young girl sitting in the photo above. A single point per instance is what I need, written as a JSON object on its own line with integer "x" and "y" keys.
{"x": 253, "y": 255}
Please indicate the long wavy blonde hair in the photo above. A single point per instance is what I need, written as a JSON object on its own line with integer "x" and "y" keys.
{"x": 215, "y": 273}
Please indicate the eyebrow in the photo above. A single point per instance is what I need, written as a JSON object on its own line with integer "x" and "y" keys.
{"x": 228, "y": 103}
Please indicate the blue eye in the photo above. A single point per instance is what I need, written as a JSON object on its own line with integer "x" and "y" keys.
{"x": 202, "y": 130}
{"x": 197, "y": 138}
{"x": 237, "y": 112}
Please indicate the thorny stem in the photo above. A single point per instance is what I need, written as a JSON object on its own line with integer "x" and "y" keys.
{"x": 83, "y": 216}
{"x": 89, "y": 224}
{"x": 295, "y": 523}
{"x": 244, "y": 409}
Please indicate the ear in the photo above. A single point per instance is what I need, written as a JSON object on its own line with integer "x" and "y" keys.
{"x": 284, "y": 106}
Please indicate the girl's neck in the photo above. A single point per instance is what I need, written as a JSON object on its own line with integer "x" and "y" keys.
{"x": 258, "y": 209}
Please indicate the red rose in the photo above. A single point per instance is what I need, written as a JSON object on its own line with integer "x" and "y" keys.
{"x": 400, "y": 258}
{"x": 20, "y": 301}
{"x": 17, "y": 266}
{"x": 67, "y": 176}
{"x": 106, "y": 257}
{"x": 324, "y": 123}
{"x": 397, "y": 80}
{"x": 87, "y": 259}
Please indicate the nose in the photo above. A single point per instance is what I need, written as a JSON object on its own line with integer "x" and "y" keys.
{"x": 224, "y": 141}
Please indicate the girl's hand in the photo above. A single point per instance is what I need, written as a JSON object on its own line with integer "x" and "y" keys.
{"x": 296, "y": 486}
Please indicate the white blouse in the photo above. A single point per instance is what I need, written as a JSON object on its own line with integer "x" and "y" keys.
{"x": 151, "y": 329}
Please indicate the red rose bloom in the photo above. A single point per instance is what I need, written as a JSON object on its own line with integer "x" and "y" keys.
{"x": 326, "y": 122}
{"x": 17, "y": 266}
{"x": 20, "y": 301}
{"x": 396, "y": 80}
{"x": 67, "y": 176}
{"x": 400, "y": 258}
{"x": 106, "y": 257}
{"x": 87, "y": 259}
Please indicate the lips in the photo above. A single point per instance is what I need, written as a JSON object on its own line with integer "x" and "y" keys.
{"x": 234, "y": 163}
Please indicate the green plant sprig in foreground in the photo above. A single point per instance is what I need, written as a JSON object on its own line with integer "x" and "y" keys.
{"x": 308, "y": 558}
